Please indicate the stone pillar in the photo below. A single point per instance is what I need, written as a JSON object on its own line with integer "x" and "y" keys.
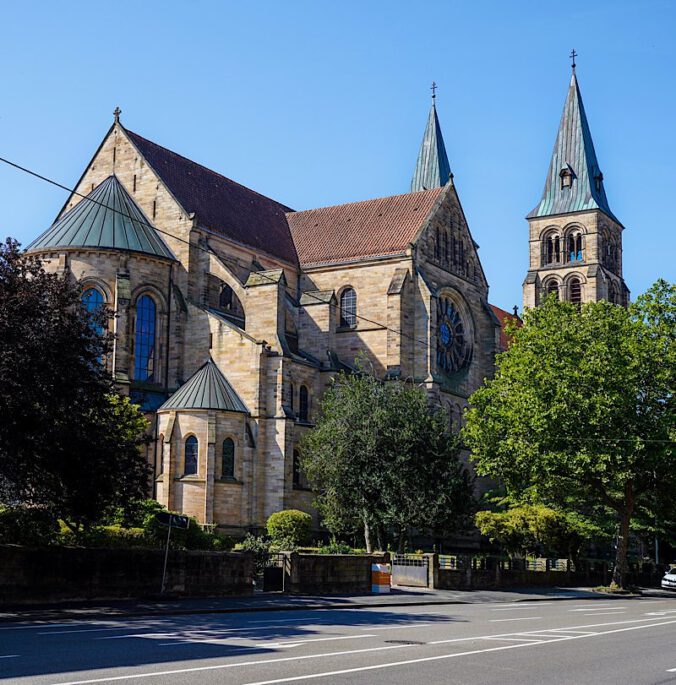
{"x": 317, "y": 322}
{"x": 210, "y": 470}
{"x": 265, "y": 307}
{"x": 432, "y": 570}
{"x": 397, "y": 343}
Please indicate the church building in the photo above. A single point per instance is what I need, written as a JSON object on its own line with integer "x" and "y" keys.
{"x": 233, "y": 312}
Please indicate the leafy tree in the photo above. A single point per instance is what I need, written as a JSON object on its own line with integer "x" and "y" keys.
{"x": 580, "y": 413}
{"x": 67, "y": 440}
{"x": 380, "y": 458}
{"x": 536, "y": 529}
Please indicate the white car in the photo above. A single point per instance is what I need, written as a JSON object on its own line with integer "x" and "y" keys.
{"x": 669, "y": 580}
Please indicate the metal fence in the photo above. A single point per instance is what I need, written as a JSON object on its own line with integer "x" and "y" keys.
{"x": 410, "y": 570}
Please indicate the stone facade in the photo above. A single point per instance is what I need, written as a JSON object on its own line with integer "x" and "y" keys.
{"x": 273, "y": 328}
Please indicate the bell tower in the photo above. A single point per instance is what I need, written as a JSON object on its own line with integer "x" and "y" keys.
{"x": 575, "y": 239}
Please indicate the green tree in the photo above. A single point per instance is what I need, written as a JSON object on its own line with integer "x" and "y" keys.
{"x": 381, "y": 458}
{"x": 289, "y": 527}
{"x": 68, "y": 442}
{"x": 580, "y": 413}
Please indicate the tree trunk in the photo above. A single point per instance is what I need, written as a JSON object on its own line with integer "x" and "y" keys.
{"x": 367, "y": 536}
{"x": 620, "y": 570}
{"x": 401, "y": 545}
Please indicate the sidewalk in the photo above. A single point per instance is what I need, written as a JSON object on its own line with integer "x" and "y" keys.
{"x": 280, "y": 602}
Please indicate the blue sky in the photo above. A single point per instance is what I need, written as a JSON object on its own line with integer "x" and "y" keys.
{"x": 316, "y": 103}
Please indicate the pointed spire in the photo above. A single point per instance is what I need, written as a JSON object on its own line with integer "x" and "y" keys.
{"x": 574, "y": 181}
{"x": 432, "y": 169}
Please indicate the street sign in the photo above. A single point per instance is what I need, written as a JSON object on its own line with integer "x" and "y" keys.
{"x": 172, "y": 520}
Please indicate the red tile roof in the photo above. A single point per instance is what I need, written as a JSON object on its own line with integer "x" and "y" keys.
{"x": 352, "y": 231}
{"x": 503, "y": 318}
{"x": 220, "y": 204}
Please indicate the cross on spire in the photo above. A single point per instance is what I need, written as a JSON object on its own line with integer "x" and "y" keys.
{"x": 116, "y": 113}
{"x": 572, "y": 56}
{"x": 434, "y": 90}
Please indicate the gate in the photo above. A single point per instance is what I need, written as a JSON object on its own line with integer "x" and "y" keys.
{"x": 272, "y": 572}
{"x": 410, "y": 570}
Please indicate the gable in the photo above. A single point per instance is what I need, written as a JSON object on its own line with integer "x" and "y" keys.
{"x": 358, "y": 230}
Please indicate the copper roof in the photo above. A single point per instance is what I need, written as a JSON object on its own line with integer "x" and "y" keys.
{"x": 220, "y": 204}
{"x": 381, "y": 227}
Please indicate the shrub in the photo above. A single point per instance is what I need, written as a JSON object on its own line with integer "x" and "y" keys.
{"x": 335, "y": 547}
{"x": 259, "y": 547}
{"x": 290, "y": 527}
{"x": 30, "y": 526}
{"x": 136, "y": 514}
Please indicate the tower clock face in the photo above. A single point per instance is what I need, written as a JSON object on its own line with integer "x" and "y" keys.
{"x": 453, "y": 348}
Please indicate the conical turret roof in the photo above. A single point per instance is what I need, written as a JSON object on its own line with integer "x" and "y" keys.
{"x": 573, "y": 156}
{"x": 207, "y": 388}
{"x": 108, "y": 218}
{"x": 432, "y": 169}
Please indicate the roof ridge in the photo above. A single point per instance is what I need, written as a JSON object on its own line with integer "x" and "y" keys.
{"x": 206, "y": 168}
{"x": 373, "y": 199}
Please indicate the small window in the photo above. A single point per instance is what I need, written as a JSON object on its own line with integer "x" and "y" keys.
{"x": 348, "y": 308}
{"x": 303, "y": 403}
{"x": 575, "y": 291}
{"x": 566, "y": 178}
{"x": 190, "y": 465}
{"x": 225, "y": 298}
{"x": 228, "y": 462}
{"x": 575, "y": 247}
{"x": 92, "y": 299}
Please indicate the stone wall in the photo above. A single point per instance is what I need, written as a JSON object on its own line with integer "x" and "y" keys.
{"x": 331, "y": 573}
{"x": 56, "y": 574}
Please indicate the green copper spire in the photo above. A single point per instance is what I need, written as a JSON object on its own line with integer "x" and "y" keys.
{"x": 574, "y": 182}
{"x": 432, "y": 169}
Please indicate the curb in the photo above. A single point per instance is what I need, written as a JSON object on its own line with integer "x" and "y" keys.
{"x": 71, "y": 615}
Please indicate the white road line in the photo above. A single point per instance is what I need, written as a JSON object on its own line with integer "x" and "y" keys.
{"x": 512, "y": 639}
{"x": 394, "y": 664}
{"x": 295, "y": 643}
{"x": 606, "y": 613}
{"x": 671, "y": 670}
{"x": 520, "y": 618}
{"x": 598, "y": 609}
{"x": 88, "y": 630}
{"x": 516, "y": 608}
{"x": 10, "y": 656}
{"x": 218, "y": 667}
{"x": 403, "y": 626}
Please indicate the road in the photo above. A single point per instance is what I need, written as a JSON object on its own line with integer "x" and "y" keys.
{"x": 574, "y": 641}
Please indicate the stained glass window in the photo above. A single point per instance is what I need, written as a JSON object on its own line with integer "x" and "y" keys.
{"x": 144, "y": 347}
{"x": 190, "y": 466}
{"x": 92, "y": 299}
{"x": 453, "y": 349}
{"x": 228, "y": 463}
{"x": 348, "y": 308}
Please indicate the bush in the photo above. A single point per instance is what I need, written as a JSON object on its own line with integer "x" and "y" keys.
{"x": 29, "y": 526}
{"x": 259, "y": 547}
{"x": 335, "y": 547}
{"x": 136, "y": 514}
{"x": 289, "y": 527}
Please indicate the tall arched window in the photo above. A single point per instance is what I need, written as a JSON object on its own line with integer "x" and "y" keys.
{"x": 292, "y": 399}
{"x": 553, "y": 289}
{"x": 612, "y": 293}
{"x": 228, "y": 462}
{"x": 144, "y": 346}
{"x": 553, "y": 249}
{"x": 93, "y": 300}
{"x": 348, "y": 308}
{"x": 225, "y": 298}
{"x": 303, "y": 403}
{"x": 575, "y": 288}
{"x": 190, "y": 461}
{"x": 445, "y": 236}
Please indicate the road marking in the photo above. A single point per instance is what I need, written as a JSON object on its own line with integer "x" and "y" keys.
{"x": 660, "y": 613}
{"x": 394, "y": 664}
{"x": 671, "y": 670}
{"x": 36, "y": 626}
{"x": 89, "y": 630}
{"x": 295, "y": 643}
{"x": 217, "y": 667}
{"x": 512, "y": 639}
{"x": 606, "y": 613}
{"x": 10, "y": 656}
{"x": 403, "y": 626}
{"x": 597, "y": 609}
{"x": 521, "y": 618}
{"x": 516, "y": 608}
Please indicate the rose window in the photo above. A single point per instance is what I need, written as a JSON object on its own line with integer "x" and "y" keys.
{"x": 453, "y": 348}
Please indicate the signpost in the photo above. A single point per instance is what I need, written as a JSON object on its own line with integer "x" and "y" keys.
{"x": 165, "y": 518}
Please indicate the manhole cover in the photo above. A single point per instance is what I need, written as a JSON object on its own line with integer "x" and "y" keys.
{"x": 404, "y": 642}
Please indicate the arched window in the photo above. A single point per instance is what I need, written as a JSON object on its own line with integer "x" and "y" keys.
{"x": 228, "y": 462}
{"x": 437, "y": 244}
{"x": 575, "y": 288}
{"x": 348, "y": 308}
{"x": 296, "y": 469}
{"x": 225, "y": 298}
{"x": 445, "y": 237}
{"x": 292, "y": 392}
{"x": 303, "y": 402}
{"x": 190, "y": 461}
{"x": 552, "y": 249}
{"x": 553, "y": 289}
{"x": 575, "y": 247}
{"x": 144, "y": 346}
{"x": 92, "y": 299}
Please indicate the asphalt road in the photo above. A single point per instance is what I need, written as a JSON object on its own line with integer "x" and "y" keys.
{"x": 576, "y": 641}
